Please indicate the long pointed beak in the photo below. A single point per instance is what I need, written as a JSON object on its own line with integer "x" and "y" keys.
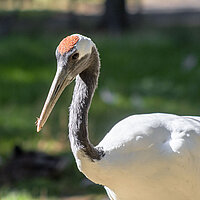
{"x": 61, "y": 80}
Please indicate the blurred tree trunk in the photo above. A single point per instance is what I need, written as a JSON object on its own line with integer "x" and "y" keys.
{"x": 115, "y": 17}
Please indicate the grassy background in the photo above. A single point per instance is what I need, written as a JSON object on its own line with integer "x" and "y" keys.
{"x": 143, "y": 71}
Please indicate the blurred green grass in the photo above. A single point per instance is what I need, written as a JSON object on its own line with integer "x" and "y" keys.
{"x": 142, "y": 71}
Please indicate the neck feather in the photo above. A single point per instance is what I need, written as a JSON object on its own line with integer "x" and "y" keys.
{"x": 85, "y": 86}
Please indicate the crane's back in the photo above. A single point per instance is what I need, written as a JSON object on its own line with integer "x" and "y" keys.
{"x": 152, "y": 157}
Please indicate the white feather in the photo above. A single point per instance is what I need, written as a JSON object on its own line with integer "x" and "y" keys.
{"x": 84, "y": 45}
{"x": 149, "y": 157}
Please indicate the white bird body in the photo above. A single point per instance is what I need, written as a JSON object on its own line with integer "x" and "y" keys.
{"x": 149, "y": 157}
{"x": 143, "y": 157}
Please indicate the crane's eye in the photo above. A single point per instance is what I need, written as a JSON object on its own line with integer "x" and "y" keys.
{"x": 75, "y": 56}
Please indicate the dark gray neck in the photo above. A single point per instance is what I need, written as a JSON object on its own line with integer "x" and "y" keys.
{"x": 85, "y": 86}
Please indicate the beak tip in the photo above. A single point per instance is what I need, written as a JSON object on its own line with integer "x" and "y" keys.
{"x": 38, "y": 129}
{"x": 38, "y": 124}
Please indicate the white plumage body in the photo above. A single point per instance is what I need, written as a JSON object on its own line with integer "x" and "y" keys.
{"x": 149, "y": 157}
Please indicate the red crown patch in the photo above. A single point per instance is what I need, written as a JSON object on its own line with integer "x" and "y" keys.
{"x": 67, "y": 44}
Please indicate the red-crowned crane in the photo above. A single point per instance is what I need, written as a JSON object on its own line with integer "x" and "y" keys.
{"x": 143, "y": 157}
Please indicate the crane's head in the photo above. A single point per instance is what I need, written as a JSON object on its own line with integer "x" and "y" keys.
{"x": 72, "y": 55}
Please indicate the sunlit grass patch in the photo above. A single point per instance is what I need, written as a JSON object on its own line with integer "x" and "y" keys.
{"x": 14, "y": 195}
